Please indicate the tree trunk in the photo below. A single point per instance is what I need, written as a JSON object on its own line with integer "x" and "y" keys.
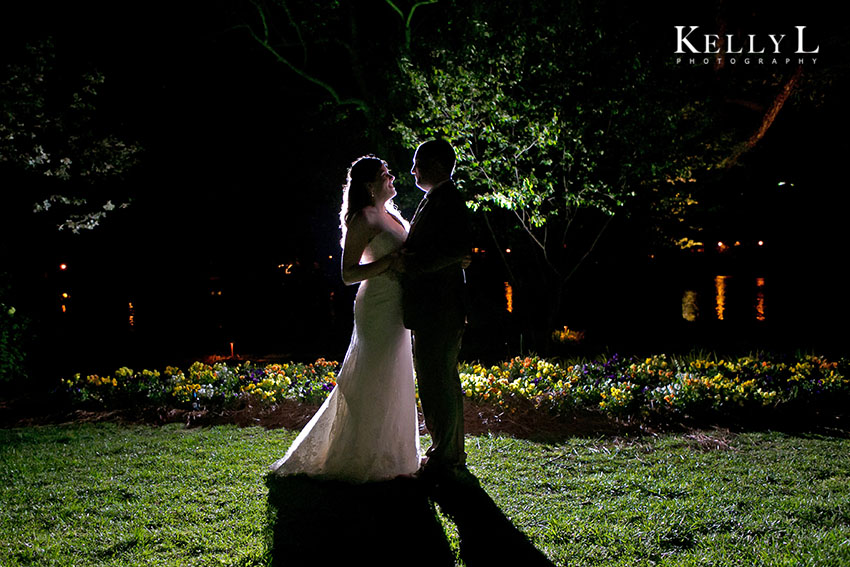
{"x": 767, "y": 120}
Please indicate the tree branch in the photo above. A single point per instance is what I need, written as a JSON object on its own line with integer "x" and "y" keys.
{"x": 409, "y": 17}
{"x": 264, "y": 41}
{"x": 499, "y": 248}
{"x": 588, "y": 251}
{"x": 297, "y": 30}
{"x": 767, "y": 119}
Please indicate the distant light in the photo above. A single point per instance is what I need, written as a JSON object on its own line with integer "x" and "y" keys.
{"x": 64, "y": 309}
{"x": 781, "y": 183}
{"x": 64, "y": 296}
{"x": 330, "y": 257}
{"x": 720, "y": 245}
{"x": 63, "y": 267}
{"x": 761, "y": 242}
{"x": 507, "y": 250}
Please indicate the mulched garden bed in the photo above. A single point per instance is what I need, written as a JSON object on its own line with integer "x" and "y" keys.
{"x": 524, "y": 421}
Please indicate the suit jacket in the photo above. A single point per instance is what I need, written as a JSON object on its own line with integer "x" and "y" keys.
{"x": 434, "y": 285}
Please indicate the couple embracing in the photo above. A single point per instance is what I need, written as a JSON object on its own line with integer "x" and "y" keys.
{"x": 409, "y": 313}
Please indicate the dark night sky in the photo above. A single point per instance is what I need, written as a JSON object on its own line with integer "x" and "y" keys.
{"x": 235, "y": 178}
{"x": 220, "y": 125}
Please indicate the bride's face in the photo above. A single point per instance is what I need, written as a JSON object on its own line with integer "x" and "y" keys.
{"x": 382, "y": 188}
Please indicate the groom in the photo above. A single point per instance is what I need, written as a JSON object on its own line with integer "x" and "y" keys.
{"x": 434, "y": 302}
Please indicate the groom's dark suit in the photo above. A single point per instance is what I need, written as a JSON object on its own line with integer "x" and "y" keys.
{"x": 434, "y": 303}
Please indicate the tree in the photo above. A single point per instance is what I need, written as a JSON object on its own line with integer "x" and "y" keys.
{"x": 559, "y": 121}
{"x": 55, "y": 147}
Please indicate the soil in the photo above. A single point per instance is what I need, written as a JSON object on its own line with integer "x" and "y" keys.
{"x": 479, "y": 419}
{"x": 524, "y": 422}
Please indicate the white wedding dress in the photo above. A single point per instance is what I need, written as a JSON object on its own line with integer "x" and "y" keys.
{"x": 367, "y": 429}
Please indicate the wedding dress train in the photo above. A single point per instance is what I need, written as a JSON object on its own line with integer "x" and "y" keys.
{"x": 367, "y": 429}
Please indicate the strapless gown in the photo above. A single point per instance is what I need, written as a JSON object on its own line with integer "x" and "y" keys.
{"x": 367, "y": 429}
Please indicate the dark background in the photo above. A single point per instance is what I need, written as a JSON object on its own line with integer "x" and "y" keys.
{"x": 240, "y": 176}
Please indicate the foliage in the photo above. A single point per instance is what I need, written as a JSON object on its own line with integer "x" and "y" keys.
{"x": 205, "y": 386}
{"x": 563, "y": 117}
{"x": 56, "y": 143}
{"x": 618, "y": 386}
{"x": 536, "y": 108}
{"x": 661, "y": 384}
{"x": 13, "y": 335}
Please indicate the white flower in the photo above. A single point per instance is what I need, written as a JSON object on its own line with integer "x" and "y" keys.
{"x": 108, "y": 206}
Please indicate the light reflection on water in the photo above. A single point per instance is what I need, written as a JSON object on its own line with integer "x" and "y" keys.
{"x": 690, "y": 308}
{"x": 760, "y": 316}
{"x": 509, "y": 297}
{"x": 720, "y": 296}
{"x": 724, "y": 287}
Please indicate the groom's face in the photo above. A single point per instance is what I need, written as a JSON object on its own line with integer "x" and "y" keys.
{"x": 420, "y": 174}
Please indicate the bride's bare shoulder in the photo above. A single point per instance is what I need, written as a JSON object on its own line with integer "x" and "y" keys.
{"x": 371, "y": 213}
{"x": 369, "y": 216}
{"x": 367, "y": 220}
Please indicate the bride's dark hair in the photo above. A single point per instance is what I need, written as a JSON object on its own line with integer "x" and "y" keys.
{"x": 356, "y": 196}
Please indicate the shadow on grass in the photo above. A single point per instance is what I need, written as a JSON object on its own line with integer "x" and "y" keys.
{"x": 320, "y": 522}
{"x": 316, "y": 522}
{"x": 487, "y": 536}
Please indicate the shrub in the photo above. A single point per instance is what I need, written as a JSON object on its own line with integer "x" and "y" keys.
{"x": 14, "y": 330}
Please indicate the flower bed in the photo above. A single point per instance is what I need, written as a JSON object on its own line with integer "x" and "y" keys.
{"x": 206, "y": 385}
{"x": 660, "y": 383}
{"x": 615, "y": 385}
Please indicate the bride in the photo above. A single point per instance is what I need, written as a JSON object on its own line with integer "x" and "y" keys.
{"x": 367, "y": 429}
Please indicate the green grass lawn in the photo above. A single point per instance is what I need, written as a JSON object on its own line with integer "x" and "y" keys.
{"x": 106, "y": 494}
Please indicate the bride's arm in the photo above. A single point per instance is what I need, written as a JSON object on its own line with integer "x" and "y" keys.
{"x": 362, "y": 229}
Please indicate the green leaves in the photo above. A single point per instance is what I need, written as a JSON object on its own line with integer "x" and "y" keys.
{"x": 542, "y": 114}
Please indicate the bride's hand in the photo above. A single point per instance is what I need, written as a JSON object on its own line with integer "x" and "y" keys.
{"x": 398, "y": 265}
{"x": 394, "y": 267}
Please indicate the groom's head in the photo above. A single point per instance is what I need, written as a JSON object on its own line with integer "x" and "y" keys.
{"x": 433, "y": 163}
